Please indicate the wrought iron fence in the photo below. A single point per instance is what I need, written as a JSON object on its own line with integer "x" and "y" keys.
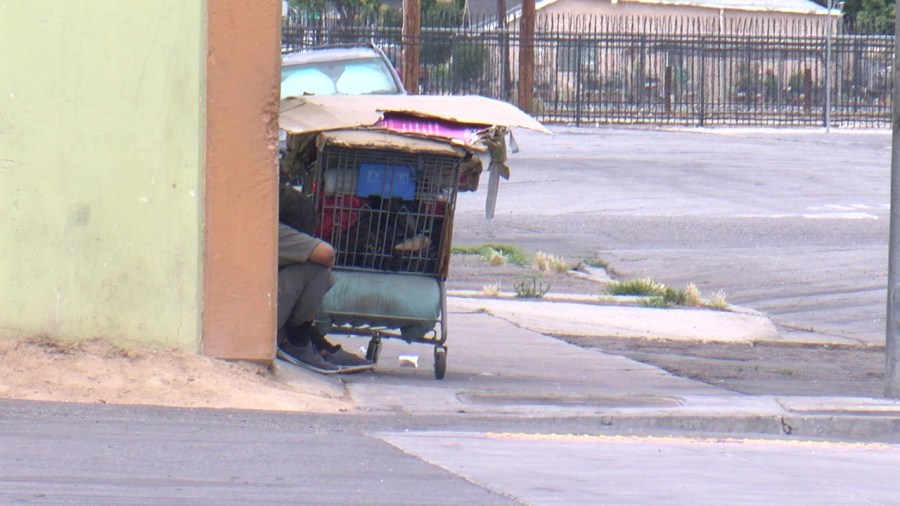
{"x": 591, "y": 70}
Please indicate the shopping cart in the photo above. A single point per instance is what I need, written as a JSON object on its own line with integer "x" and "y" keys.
{"x": 388, "y": 212}
{"x": 384, "y": 172}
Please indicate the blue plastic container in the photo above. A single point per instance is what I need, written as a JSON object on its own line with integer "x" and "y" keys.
{"x": 386, "y": 181}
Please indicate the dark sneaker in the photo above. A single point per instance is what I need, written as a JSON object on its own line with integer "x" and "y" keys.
{"x": 319, "y": 341}
{"x": 306, "y": 356}
{"x": 347, "y": 362}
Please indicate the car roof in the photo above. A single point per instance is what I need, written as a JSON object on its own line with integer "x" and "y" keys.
{"x": 329, "y": 54}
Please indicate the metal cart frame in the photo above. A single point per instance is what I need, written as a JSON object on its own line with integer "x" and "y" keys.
{"x": 388, "y": 212}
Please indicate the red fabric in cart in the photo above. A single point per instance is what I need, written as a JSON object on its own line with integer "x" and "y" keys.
{"x": 338, "y": 214}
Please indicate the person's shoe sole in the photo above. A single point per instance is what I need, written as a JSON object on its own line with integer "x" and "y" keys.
{"x": 350, "y": 369}
{"x": 291, "y": 360}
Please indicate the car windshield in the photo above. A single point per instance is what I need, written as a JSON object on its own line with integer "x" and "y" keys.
{"x": 350, "y": 77}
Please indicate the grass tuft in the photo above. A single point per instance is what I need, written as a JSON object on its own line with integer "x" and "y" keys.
{"x": 692, "y": 295}
{"x": 660, "y": 295}
{"x": 595, "y": 262}
{"x": 639, "y": 286}
{"x": 487, "y": 251}
{"x": 655, "y": 301}
{"x": 549, "y": 263}
{"x": 718, "y": 301}
{"x": 491, "y": 290}
{"x": 494, "y": 258}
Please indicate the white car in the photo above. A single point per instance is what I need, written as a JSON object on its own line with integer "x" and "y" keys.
{"x": 339, "y": 70}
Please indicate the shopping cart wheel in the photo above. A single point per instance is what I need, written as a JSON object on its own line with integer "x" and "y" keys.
{"x": 440, "y": 362}
{"x": 374, "y": 349}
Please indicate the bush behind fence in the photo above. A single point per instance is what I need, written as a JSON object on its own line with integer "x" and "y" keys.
{"x": 592, "y": 70}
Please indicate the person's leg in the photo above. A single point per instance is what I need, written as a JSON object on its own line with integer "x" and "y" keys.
{"x": 301, "y": 289}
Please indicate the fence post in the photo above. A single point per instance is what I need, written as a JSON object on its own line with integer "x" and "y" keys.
{"x": 829, "y": 28}
{"x": 807, "y": 90}
{"x": 667, "y": 89}
{"x": 702, "y": 80}
{"x": 451, "y": 69}
{"x": 578, "y": 78}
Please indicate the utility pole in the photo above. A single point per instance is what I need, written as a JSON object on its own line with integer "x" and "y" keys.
{"x": 410, "y": 37}
{"x": 828, "y": 77}
{"x": 892, "y": 362}
{"x": 526, "y": 56}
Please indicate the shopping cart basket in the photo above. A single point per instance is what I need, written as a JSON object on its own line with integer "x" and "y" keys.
{"x": 388, "y": 212}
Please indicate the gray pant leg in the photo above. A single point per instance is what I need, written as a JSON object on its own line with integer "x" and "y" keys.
{"x": 301, "y": 289}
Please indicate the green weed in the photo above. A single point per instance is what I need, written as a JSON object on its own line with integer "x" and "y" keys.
{"x": 639, "y": 286}
{"x": 465, "y": 250}
{"x": 513, "y": 254}
{"x": 595, "y": 262}
{"x": 530, "y": 287}
{"x": 655, "y": 301}
{"x": 658, "y": 294}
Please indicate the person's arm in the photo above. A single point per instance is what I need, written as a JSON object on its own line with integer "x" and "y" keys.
{"x": 296, "y": 248}
{"x": 323, "y": 254}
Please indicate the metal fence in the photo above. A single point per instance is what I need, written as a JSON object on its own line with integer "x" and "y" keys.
{"x": 591, "y": 70}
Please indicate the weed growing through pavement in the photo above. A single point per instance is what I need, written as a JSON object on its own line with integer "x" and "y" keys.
{"x": 494, "y": 258}
{"x": 659, "y": 295}
{"x": 492, "y": 289}
{"x": 595, "y": 262}
{"x": 655, "y": 302}
{"x": 639, "y": 286}
{"x": 513, "y": 254}
{"x": 530, "y": 287}
{"x": 692, "y": 295}
{"x": 550, "y": 263}
{"x": 718, "y": 301}
{"x": 465, "y": 250}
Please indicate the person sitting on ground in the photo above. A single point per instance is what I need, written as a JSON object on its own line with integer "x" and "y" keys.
{"x": 304, "y": 277}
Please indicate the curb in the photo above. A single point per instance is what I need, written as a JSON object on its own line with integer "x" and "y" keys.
{"x": 857, "y": 428}
{"x": 571, "y": 316}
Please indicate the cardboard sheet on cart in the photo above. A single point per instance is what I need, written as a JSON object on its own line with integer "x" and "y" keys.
{"x": 407, "y": 302}
{"x": 380, "y": 139}
{"x": 320, "y": 113}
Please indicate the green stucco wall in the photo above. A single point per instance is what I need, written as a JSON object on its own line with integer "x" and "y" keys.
{"x": 101, "y": 162}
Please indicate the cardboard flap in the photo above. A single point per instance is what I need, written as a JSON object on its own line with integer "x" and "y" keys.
{"x": 380, "y": 139}
{"x": 321, "y": 113}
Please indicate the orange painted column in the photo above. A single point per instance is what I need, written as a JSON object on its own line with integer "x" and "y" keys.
{"x": 240, "y": 236}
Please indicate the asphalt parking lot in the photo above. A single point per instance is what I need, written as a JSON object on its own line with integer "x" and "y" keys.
{"x": 790, "y": 222}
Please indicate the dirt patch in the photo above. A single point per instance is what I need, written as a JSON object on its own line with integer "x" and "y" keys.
{"x": 96, "y": 371}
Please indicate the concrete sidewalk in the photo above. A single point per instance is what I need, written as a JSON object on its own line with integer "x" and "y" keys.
{"x": 501, "y": 362}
